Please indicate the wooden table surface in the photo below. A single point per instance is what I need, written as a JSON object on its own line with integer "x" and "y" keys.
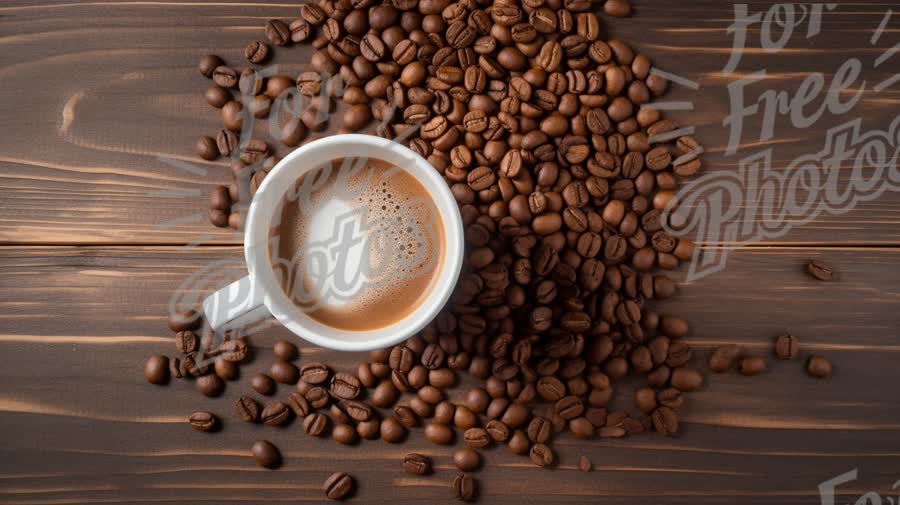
{"x": 102, "y": 217}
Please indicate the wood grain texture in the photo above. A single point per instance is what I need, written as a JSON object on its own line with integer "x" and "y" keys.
{"x": 101, "y": 102}
{"x": 97, "y": 93}
{"x": 81, "y": 425}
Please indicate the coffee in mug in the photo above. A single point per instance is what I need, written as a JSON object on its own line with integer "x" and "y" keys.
{"x": 357, "y": 244}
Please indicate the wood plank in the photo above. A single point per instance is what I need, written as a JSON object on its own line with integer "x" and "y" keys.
{"x": 81, "y": 425}
{"x": 80, "y": 160}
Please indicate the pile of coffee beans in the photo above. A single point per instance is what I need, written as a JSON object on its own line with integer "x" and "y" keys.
{"x": 561, "y": 168}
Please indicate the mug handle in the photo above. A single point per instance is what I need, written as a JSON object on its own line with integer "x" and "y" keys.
{"x": 236, "y": 305}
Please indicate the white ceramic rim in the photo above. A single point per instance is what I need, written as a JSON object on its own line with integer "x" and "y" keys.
{"x": 283, "y": 177}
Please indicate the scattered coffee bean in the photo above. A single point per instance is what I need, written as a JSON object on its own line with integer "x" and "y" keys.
{"x": 820, "y": 270}
{"x": 665, "y": 421}
{"x": 344, "y": 434}
{"x": 467, "y": 459}
{"x": 256, "y": 52}
{"x": 278, "y": 32}
{"x": 439, "y": 434}
{"x": 687, "y": 379}
{"x": 208, "y": 64}
{"x": 284, "y": 372}
{"x": 266, "y": 454}
{"x": 752, "y": 365}
{"x": 206, "y": 148}
{"x": 786, "y": 347}
{"x": 584, "y": 464}
{"x": 226, "y": 370}
{"x": 156, "y": 371}
{"x": 184, "y": 320}
{"x": 819, "y": 367}
{"x": 203, "y": 421}
{"x": 262, "y": 384}
{"x": 217, "y": 96}
{"x": 541, "y": 455}
{"x": 416, "y": 464}
{"x": 210, "y": 385}
{"x": 315, "y": 424}
{"x": 724, "y": 357}
{"x": 338, "y": 486}
{"x": 285, "y": 350}
{"x": 393, "y": 432}
{"x": 275, "y": 414}
{"x": 315, "y": 373}
{"x": 247, "y": 409}
{"x": 464, "y": 487}
{"x": 617, "y": 8}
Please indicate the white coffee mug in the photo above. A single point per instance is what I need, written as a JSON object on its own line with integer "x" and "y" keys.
{"x": 260, "y": 294}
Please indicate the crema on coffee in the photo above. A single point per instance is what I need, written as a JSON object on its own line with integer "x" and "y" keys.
{"x": 359, "y": 244}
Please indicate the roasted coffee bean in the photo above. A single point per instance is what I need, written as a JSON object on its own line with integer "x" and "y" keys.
{"x": 749, "y": 366}
{"x": 344, "y": 434}
{"x": 671, "y": 398}
{"x": 541, "y": 455}
{"x": 226, "y": 370}
{"x": 225, "y": 77}
{"x": 819, "y": 367}
{"x": 300, "y": 30}
{"x": 581, "y": 428}
{"x": 345, "y": 386}
{"x": 266, "y": 454}
{"x": 278, "y": 32}
{"x": 550, "y": 388}
{"x": 584, "y": 464}
{"x": 476, "y": 438}
{"x": 384, "y": 395}
{"x": 820, "y": 270}
{"x": 464, "y": 488}
{"x": 314, "y": 373}
{"x": 645, "y": 399}
{"x": 724, "y": 357}
{"x": 226, "y": 142}
{"x": 787, "y": 347}
{"x": 665, "y": 421}
{"x": 285, "y": 350}
{"x": 256, "y": 52}
{"x": 206, "y": 148}
{"x": 247, "y": 409}
{"x": 233, "y": 350}
{"x": 401, "y": 358}
{"x": 262, "y": 384}
{"x": 539, "y": 430}
{"x": 687, "y": 379}
{"x": 467, "y": 459}
{"x": 284, "y": 372}
{"x": 299, "y": 404}
{"x": 569, "y": 407}
{"x": 156, "y": 370}
{"x": 416, "y": 464}
{"x": 405, "y": 416}
{"x": 679, "y": 354}
{"x": 203, "y": 421}
{"x": 275, "y": 414}
{"x": 338, "y": 486}
{"x": 318, "y": 397}
{"x": 217, "y": 96}
{"x": 208, "y": 64}
{"x": 315, "y": 424}
{"x": 439, "y": 434}
{"x": 464, "y": 418}
{"x": 392, "y": 431}
{"x": 209, "y": 385}
{"x": 498, "y": 431}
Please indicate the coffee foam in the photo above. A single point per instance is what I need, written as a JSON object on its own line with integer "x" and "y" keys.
{"x": 381, "y": 207}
